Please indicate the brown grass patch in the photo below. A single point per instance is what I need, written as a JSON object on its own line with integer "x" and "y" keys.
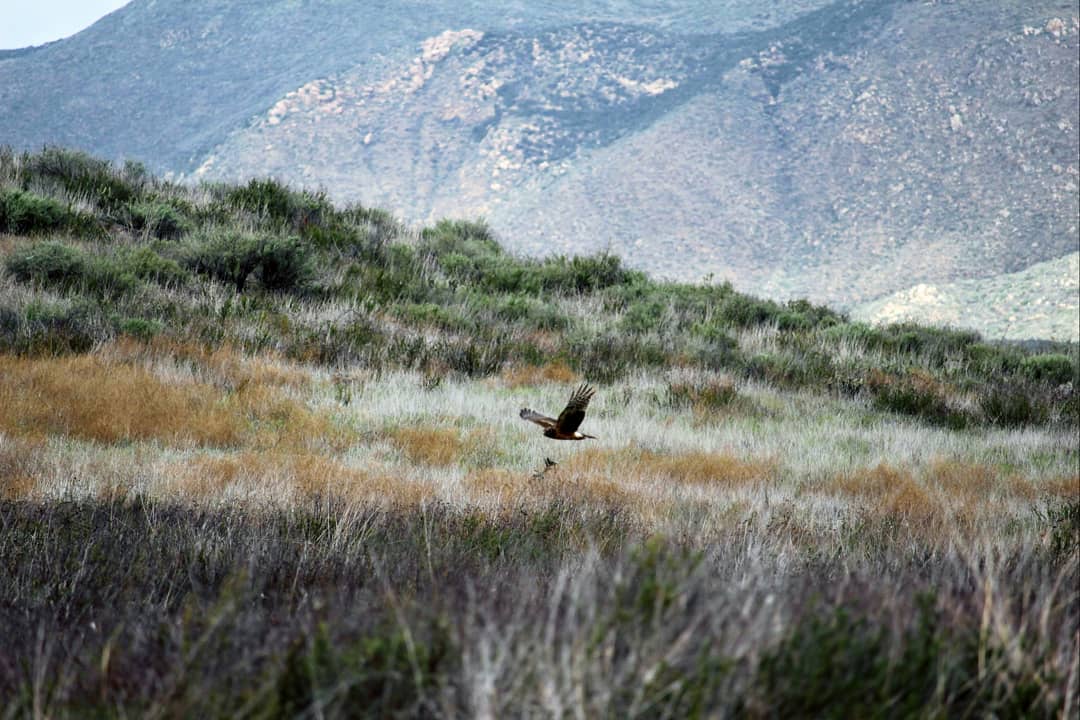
{"x": 493, "y": 481}
{"x": 224, "y": 365}
{"x": 705, "y": 468}
{"x": 969, "y": 482}
{"x": 21, "y": 467}
{"x": 888, "y": 492}
{"x": 428, "y": 445}
{"x": 868, "y": 483}
{"x": 88, "y": 398}
{"x": 309, "y": 475}
{"x": 632, "y": 464}
{"x": 911, "y": 502}
{"x": 441, "y": 446}
{"x": 553, "y": 372}
{"x": 584, "y": 489}
{"x": 1065, "y": 486}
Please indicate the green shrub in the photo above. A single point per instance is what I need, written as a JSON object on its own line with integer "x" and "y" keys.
{"x": 475, "y": 356}
{"x": 140, "y": 328}
{"x": 916, "y": 393}
{"x": 806, "y": 314}
{"x": 231, "y": 257}
{"x": 430, "y": 314}
{"x": 1063, "y": 519}
{"x": 48, "y": 263}
{"x": 472, "y": 239}
{"x": 791, "y": 368}
{"x": 296, "y": 210}
{"x": 521, "y": 310}
{"x": 608, "y": 356}
{"x": 933, "y": 343}
{"x": 838, "y": 665}
{"x": 715, "y": 350}
{"x": 582, "y": 275}
{"x": 1055, "y": 369}
{"x": 1013, "y": 404}
{"x": 744, "y": 311}
{"x": 107, "y": 277}
{"x": 386, "y": 673}
{"x": 48, "y": 329}
{"x": 642, "y": 317}
{"x": 61, "y": 266}
{"x": 284, "y": 264}
{"x": 84, "y": 176}
{"x": 159, "y": 219}
{"x": 23, "y": 213}
{"x": 146, "y": 264}
{"x": 707, "y": 395}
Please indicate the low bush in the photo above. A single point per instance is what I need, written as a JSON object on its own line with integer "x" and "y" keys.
{"x": 51, "y": 329}
{"x": 159, "y": 219}
{"x": 146, "y": 264}
{"x": 24, "y": 213}
{"x": 607, "y": 356}
{"x": 140, "y": 328}
{"x": 1054, "y": 368}
{"x": 916, "y": 393}
{"x": 82, "y": 175}
{"x": 790, "y": 368}
{"x": 708, "y": 395}
{"x": 281, "y": 264}
{"x": 835, "y": 664}
{"x": 292, "y": 209}
{"x": 1012, "y": 404}
{"x": 432, "y": 315}
{"x": 48, "y": 263}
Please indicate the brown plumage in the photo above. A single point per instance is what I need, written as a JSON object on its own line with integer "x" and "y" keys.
{"x": 565, "y": 426}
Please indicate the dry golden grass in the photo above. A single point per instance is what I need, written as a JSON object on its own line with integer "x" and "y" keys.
{"x": 21, "y": 466}
{"x": 441, "y": 447}
{"x": 968, "y": 482}
{"x": 428, "y": 445}
{"x": 494, "y": 481}
{"x": 886, "y": 492}
{"x": 88, "y": 398}
{"x": 591, "y": 490}
{"x": 712, "y": 468}
{"x": 207, "y": 477}
{"x": 631, "y": 464}
{"x": 868, "y": 483}
{"x": 553, "y": 372}
{"x": 224, "y": 365}
{"x": 1064, "y": 486}
{"x": 911, "y": 502}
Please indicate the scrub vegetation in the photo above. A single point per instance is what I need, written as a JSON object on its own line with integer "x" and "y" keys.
{"x": 260, "y": 456}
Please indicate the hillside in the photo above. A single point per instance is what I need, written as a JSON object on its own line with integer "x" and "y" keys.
{"x": 1039, "y": 302}
{"x": 262, "y": 454}
{"x": 836, "y": 151}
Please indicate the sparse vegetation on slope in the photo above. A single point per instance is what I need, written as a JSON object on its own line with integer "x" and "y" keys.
{"x": 260, "y": 455}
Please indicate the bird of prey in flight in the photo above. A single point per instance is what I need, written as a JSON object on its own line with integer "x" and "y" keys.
{"x": 565, "y": 427}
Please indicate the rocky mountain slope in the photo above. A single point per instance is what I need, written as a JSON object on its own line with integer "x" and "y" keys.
{"x": 1038, "y": 302}
{"x": 841, "y": 151}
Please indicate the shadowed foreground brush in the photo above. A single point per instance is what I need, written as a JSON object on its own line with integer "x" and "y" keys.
{"x": 136, "y": 607}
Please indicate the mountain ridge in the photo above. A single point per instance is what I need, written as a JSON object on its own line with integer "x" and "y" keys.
{"x": 839, "y": 151}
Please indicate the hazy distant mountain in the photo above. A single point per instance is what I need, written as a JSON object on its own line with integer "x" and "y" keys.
{"x": 1038, "y": 302}
{"x": 841, "y": 151}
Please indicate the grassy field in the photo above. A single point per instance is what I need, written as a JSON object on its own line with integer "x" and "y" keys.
{"x": 260, "y": 456}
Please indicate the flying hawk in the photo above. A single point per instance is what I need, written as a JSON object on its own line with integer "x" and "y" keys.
{"x": 565, "y": 427}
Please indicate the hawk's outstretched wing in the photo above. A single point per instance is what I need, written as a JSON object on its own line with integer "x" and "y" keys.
{"x": 541, "y": 420}
{"x": 570, "y": 418}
